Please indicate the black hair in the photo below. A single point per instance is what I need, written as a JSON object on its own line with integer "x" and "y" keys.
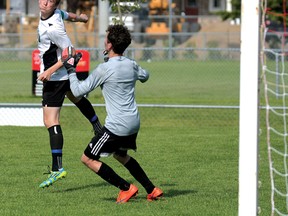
{"x": 119, "y": 36}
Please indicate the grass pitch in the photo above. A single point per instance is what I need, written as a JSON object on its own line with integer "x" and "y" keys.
{"x": 192, "y": 154}
{"x": 195, "y": 165}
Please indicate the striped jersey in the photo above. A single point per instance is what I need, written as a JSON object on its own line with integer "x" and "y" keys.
{"x": 52, "y": 39}
{"x": 117, "y": 78}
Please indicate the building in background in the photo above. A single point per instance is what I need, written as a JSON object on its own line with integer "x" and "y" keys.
{"x": 21, "y": 8}
{"x": 155, "y": 21}
{"x": 202, "y": 7}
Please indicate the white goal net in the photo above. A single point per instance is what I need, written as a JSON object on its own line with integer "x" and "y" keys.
{"x": 275, "y": 79}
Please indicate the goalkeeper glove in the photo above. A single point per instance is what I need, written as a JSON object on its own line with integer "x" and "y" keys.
{"x": 69, "y": 60}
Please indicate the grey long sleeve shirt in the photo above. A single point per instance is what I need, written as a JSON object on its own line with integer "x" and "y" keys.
{"x": 117, "y": 79}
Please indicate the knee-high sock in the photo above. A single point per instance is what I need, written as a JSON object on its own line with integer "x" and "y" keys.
{"x": 86, "y": 109}
{"x": 138, "y": 173}
{"x": 56, "y": 144}
{"x": 108, "y": 174}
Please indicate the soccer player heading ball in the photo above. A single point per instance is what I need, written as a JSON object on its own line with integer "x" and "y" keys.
{"x": 52, "y": 39}
{"x": 117, "y": 78}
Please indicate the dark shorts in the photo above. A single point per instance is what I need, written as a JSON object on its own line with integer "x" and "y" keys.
{"x": 107, "y": 143}
{"x": 54, "y": 93}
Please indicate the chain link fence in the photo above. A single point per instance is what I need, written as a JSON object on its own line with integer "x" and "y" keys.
{"x": 185, "y": 81}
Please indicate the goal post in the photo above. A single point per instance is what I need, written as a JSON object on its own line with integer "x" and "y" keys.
{"x": 249, "y": 108}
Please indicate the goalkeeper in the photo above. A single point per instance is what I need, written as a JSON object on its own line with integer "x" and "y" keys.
{"x": 52, "y": 38}
{"x": 117, "y": 78}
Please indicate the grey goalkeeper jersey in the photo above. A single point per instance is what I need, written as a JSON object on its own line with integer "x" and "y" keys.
{"x": 117, "y": 79}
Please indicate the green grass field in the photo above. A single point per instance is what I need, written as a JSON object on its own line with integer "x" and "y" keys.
{"x": 171, "y": 82}
{"x": 192, "y": 154}
{"x": 195, "y": 165}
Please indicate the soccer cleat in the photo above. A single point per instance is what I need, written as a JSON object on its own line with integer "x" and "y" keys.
{"x": 52, "y": 177}
{"x": 124, "y": 196}
{"x": 156, "y": 194}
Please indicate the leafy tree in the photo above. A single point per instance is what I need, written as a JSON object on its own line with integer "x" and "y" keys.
{"x": 272, "y": 5}
{"x": 236, "y": 11}
{"x": 275, "y": 5}
{"x": 122, "y": 8}
{"x": 275, "y": 9}
{"x": 274, "y": 20}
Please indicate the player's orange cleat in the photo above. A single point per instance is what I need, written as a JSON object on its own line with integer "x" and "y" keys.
{"x": 124, "y": 196}
{"x": 156, "y": 194}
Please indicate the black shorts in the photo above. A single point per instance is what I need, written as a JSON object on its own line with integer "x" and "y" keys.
{"x": 107, "y": 143}
{"x": 54, "y": 93}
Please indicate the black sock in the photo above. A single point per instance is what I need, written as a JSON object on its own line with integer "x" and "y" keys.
{"x": 87, "y": 110}
{"x": 108, "y": 174}
{"x": 97, "y": 127}
{"x": 56, "y": 145}
{"x": 138, "y": 173}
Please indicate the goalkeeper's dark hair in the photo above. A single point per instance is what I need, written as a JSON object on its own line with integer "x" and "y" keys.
{"x": 119, "y": 36}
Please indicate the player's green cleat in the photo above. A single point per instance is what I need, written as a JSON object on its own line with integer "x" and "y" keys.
{"x": 52, "y": 177}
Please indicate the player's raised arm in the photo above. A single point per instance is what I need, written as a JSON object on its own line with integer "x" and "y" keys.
{"x": 77, "y": 18}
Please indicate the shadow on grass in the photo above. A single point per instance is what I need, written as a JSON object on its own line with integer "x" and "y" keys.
{"x": 174, "y": 193}
{"x": 81, "y": 187}
{"x": 166, "y": 194}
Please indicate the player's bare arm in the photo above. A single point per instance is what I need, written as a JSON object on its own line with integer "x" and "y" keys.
{"x": 46, "y": 75}
{"x": 77, "y": 18}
